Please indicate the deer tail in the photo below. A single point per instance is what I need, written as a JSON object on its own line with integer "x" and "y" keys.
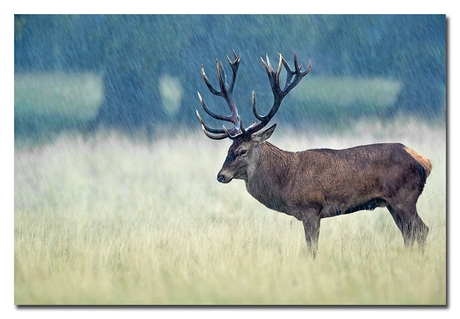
{"x": 422, "y": 160}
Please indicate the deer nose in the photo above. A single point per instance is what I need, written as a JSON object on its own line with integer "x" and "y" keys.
{"x": 221, "y": 178}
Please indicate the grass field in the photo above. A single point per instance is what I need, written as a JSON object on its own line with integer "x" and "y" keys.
{"x": 111, "y": 220}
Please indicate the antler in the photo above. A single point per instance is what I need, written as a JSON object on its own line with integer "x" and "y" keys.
{"x": 278, "y": 93}
{"x": 227, "y": 94}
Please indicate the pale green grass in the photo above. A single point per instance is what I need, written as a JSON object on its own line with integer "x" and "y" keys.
{"x": 111, "y": 221}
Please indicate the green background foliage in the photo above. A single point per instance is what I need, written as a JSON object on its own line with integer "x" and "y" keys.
{"x": 132, "y": 53}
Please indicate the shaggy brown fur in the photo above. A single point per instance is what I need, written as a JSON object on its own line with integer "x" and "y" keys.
{"x": 321, "y": 183}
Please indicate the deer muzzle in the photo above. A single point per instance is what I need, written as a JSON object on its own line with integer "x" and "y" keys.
{"x": 224, "y": 178}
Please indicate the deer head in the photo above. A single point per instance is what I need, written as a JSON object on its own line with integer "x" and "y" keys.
{"x": 245, "y": 148}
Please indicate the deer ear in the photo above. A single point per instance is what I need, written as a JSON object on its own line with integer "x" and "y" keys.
{"x": 259, "y": 137}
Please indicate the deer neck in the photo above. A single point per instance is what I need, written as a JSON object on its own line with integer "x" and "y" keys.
{"x": 267, "y": 175}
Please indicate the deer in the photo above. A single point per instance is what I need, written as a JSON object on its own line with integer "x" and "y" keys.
{"x": 317, "y": 183}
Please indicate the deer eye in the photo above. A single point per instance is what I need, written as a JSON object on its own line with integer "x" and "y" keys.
{"x": 243, "y": 152}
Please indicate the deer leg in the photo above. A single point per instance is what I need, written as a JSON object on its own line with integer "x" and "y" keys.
{"x": 419, "y": 230}
{"x": 311, "y": 223}
{"x": 410, "y": 224}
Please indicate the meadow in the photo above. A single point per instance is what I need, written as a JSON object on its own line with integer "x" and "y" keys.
{"x": 111, "y": 220}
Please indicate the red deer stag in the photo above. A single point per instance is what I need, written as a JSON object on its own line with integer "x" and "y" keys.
{"x": 317, "y": 183}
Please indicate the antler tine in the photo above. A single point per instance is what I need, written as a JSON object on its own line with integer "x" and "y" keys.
{"x": 227, "y": 134}
{"x": 296, "y": 66}
{"x": 227, "y": 93}
{"x": 208, "y": 84}
{"x": 268, "y": 63}
{"x": 207, "y": 129}
{"x": 234, "y": 65}
{"x": 223, "y": 80}
{"x": 254, "y": 110}
{"x": 267, "y": 68}
{"x": 308, "y": 69}
{"x": 241, "y": 125}
{"x": 234, "y": 54}
{"x": 212, "y": 114}
{"x": 277, "y": 76}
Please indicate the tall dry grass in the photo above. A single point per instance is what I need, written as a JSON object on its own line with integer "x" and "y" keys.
{"x": 113, "y": 221}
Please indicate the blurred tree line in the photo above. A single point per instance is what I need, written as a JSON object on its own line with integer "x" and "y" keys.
{"x": 142, "y": 56}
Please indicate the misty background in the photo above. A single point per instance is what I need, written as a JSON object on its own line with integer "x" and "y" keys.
{"x": 141, "y": 73}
